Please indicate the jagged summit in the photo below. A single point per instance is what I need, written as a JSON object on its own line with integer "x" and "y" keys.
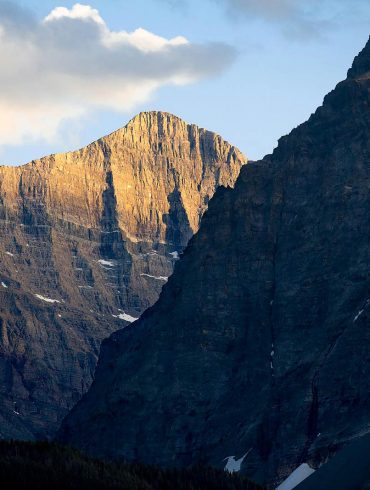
{"x": 161, "y": 121}
{"x": 146, "y": 123}
{"x": 163, "y": 130}
{"x": 149, "y": 117}
{"x": 361, "y": 64}
{"x": 143, "y": 130}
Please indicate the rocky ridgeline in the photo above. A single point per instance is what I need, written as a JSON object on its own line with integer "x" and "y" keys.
{"x": 259, "y": 344}
{"x": 87, "y": 240}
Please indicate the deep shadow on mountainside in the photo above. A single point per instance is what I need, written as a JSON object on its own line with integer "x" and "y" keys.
{"x": 44, "y": 466}
{"x": 259, "y": 343}
{"x": 87, "y": 240}
{"x": 349, "y": 469}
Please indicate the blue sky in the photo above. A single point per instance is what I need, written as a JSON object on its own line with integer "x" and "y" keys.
{"x": 274, "y": 62}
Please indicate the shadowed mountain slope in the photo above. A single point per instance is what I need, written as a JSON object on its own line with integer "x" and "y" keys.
{"x": 259, "y": 343}
{"x": 347, "y": 470}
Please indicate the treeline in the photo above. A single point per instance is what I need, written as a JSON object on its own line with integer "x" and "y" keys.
{"x": 46, "y": 466}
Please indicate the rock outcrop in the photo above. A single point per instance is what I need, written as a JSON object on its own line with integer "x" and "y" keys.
{"x": 259, "y": 343}
{"x": 87, "y": 240}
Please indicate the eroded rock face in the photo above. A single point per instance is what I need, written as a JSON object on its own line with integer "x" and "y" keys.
{"x": 87, "y": 241}
{"x": 259, "y": 343}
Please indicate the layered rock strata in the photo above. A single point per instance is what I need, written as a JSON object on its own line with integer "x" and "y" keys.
{"x": 87, "y": 240}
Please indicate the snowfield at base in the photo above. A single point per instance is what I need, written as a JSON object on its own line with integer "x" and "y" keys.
{"x": 126, "y": 317}
{"x": 4, "y": 285}
{"x": 294, "y": 479}
{"x": 47, "y": 300}
{"x": 233, "y": 465}
{"x": 109, "y": 263}
{"x": 158, "y": 278}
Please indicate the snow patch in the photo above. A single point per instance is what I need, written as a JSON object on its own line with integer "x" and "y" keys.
{"x": 294, "y": 479}
{"x": 358, "y": 316}
{"x": 109, "y": 263}
{"x": 47, "y": 300}
{"x": 175, "y": 255}
{"x": 361, "y": 311}
{"x": 151, "y": 253}
{"x": 4, "y": 285}
{"x": 8, "y": 253}
{"x": 272, "y": 353}
{"x": 233, "y": 465}
{"x": 110, "y": 232}
{"x": 126, "y": 317}
{"x": 158, "y": 278}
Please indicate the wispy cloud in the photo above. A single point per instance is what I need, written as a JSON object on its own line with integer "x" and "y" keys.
{"x": 269, "y": 9}
{"x": 300, "y": 19}
{"x": 71, "y": 63}
{"x": 297, "y": 18}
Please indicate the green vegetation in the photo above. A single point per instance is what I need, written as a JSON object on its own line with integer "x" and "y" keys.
{"x": 45, "y": 466}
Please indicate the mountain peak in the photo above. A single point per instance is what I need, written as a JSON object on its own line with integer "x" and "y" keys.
{"x": 159, "y": 122}
{"x": 154, "y": 115}
{"x": 361, "y": 64}
{"x": 158, "y": 131}
{"x": 154, "y": 121}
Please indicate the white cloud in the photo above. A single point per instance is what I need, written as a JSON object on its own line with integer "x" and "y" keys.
{"x": 140, "y": 38}
{"x": 143, "y": 40}
{"x": 78, "y": 11}
{"x": 71, "y": 63}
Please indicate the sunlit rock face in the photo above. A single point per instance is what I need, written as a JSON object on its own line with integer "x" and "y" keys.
{"x": 88, "y": 239}
{"x": 259, "y": 344}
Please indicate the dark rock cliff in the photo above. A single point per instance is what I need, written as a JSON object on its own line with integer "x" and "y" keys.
{"x": 87, "y": 240}
{"x": 260, "y": 342}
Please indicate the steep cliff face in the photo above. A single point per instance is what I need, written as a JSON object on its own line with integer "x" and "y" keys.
{"x": 87, "y": 240}
{"x": 259, "y": 343}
